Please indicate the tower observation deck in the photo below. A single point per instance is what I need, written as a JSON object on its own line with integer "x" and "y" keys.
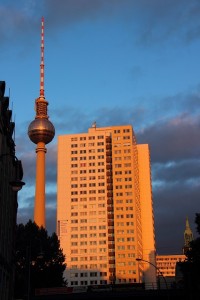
{"x": 41, "y": 132}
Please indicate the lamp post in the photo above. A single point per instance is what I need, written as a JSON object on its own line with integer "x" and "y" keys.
{"x": 140, "y": 259}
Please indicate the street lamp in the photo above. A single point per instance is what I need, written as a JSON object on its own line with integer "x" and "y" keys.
{"x": 17, "y": 183}
{"x": 140, "y": 259}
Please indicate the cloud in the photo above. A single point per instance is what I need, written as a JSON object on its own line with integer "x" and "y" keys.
{"x": 158, "y": 20}
{"x": 174, "y": 139}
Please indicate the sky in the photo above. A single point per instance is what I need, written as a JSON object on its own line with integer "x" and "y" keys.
{"x": 115, "y": 62}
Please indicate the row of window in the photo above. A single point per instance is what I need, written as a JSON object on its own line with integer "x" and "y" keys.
{"x": 89, "y": 266}
{"x": 74, "y": 172}
{"x": 83, "y": 138}
{"x": 89, "y": 145}
{"x": 84, "y": 151}
{"x": 91, "y": 282}
{"x": 88, "y": 274}
{"x": 124, "y": 130}
{"x": 83, "y": 199}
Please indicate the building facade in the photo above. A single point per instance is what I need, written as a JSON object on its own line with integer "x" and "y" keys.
{"x": 166, "y": 265}
{"x": 105, "y": 214}
{"x": 10, "y": 182}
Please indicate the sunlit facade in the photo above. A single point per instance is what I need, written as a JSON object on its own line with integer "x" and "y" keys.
{"x": 104, "y": 207}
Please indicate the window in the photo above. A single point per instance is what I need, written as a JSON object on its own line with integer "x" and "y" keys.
{"x": 127, "y": 157}
{"x": 83, "y": 158}
{"x": 74, "y": 199}
{"x": 82, "y": 138}
{"x": 126, "y": 130}
{"x": 90, "y": 144}
{"x": 91, "y": 150}
{"x": 118, "y": 165}
{"x": 82, "y": 151}
{"x": 74, "y": 145}
{"x": 74, "y": 152}
{"x": 92, "y": 192}
{"x": 83, "y": 185}
{"x": 100, "y": 143}
{"x": 127, "y": 165}
{"x": 74, "y": 165}
{"x": 129, "y": 186}
{"x": 93, "y": 274}
{"x": 117, "y": 131}
{"x": 118, "y": 172}
{"x": 127, "y": 151}
{"x": 100, "y": 137}
{"x": 100, "y": 170}
{"x": 74, "y": 172}
{"x": 82, "y": 165}
{"x": 74, "y": 193}
{"x": 74, "y": 236}
{"x": 100, "y": 150}
{"x": 126, "y": 137}
{"x": 101, "y": 157}
{"x": 74, "y": 185}
{"x": 74, "y": 158}
{"x": 128, "y": 172}
{"x": 74, "y": 178}
{"x": 117, "y": 151}
{"x": 91, "y": 137}
{"x": 92, "y": 164}
{"x": 129, "y": 215}
{"x": 83, "y": 171}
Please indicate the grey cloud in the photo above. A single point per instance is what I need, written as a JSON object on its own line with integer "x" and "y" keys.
{"x": 173, "y": 140}
{"x": 158, "y": 20}
{"x": 172, "y": 204}
{"x": 181, "y": 171}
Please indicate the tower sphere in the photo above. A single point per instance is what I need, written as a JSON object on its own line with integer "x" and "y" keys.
{"x": 41, "y": 130}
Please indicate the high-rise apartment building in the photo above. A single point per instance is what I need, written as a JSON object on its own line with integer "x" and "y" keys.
{"x": 104, "y": 207}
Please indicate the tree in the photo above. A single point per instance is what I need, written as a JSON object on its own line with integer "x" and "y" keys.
{"x": 39, "y": 259}
{"x": 191, "y": 267}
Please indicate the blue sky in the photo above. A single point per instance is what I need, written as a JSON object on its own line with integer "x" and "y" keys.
{"x": 114, "y": 62}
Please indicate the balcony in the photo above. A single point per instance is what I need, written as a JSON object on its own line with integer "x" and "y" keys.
{"x": 111, "y": 239}
{"x": 110, "y": 223}
{"x": 109, "y": 160}
{"x": 109, "y": 153}
{"x": 110, "y": 194}
{"x": 109, "y": 173}
{"x": 112, "y": 262}
{"x": 110, "y": 201}
{"x": 108, "y": 147}
{"x": 111, "y": 246}
{"x": 109, "y": 187}
{"x": 111, "y": 231}
{"x": 108, "y": 167}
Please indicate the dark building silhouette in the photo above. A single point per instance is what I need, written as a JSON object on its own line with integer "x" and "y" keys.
{"x": 11, "y": 174}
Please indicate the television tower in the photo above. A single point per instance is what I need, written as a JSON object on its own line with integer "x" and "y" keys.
{"x": 41, "y": 132}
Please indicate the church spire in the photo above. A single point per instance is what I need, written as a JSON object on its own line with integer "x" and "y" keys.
{"x": 188, "y": 236}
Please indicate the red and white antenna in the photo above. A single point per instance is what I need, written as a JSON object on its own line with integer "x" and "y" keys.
{"x": 42, "y": 60}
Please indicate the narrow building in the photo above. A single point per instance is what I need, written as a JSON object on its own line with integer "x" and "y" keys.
{"x": 11, "y": 174}
{"x": 105, "y": 214}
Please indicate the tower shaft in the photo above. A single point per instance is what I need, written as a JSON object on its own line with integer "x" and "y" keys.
{"x": 41, "y": 132}
{"x": 39, "y": 210}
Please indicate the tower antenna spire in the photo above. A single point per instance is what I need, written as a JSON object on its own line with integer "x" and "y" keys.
{"x": 42, "y": 60}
